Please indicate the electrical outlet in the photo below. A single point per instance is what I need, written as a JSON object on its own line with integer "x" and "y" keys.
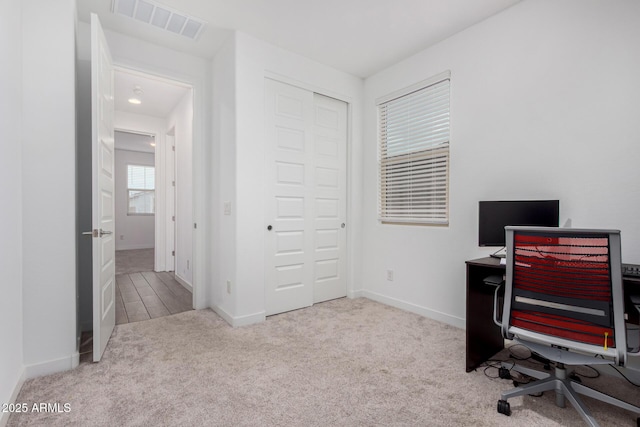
{"x": 229, "y": 286}
{"x": 390, "y": 275}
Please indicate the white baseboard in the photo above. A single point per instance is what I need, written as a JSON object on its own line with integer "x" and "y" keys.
{"x": 235, "y": 322}
{"x": 423, "y": 311}
{"x": 249, "y": 319}
{"x": 4, "y": 416}
{"x": 222, "y": 313}
{"x": 355, "y": 294}
{"x": 131, "y": 247}
{"x": 75, "y": 360}
{"x": 185, "y": 284}
{"x": 52, "y": 366}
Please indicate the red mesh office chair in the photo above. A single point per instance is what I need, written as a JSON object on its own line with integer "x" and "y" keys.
{"x": 564, "y": 301}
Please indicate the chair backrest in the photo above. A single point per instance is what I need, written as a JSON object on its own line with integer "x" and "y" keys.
{"x": 564, "y": 288}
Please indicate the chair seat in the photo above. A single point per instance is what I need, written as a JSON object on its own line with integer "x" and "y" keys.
{"x": 573, "y": 358}
{"x": 561, "y": 355}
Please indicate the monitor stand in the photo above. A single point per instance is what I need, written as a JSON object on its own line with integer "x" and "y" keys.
{"x": 500, "y": 253}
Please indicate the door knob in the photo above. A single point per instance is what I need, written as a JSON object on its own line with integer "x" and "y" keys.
{"x": 343, "y": 225}
{"x": 269, "y": 227}
{"x": 96, "y": 233}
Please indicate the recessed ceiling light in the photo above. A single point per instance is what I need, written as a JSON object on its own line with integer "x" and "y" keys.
{"x": 158, "y": 15}
{"x": 153, "y": 144}
{"x": 137, "y": 91}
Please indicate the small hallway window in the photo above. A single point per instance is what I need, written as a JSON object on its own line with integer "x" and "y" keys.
{"x": 141, "y": 184}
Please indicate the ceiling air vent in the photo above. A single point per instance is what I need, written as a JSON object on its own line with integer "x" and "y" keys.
{"x": 160, "y": 16}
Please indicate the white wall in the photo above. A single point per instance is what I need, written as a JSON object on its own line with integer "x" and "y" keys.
{"x": 48, "y": 185}
{"x": 544, "y": 104}
{"x": 11, "y": 355}
{"x": 254, "y": 60}
{"x": 223, "y": 180}
{"x": 132, "y": 231}
{"x": 180, "y": 120}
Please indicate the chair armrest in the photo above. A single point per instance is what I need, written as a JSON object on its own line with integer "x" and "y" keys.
{"x": 495, "y": 305}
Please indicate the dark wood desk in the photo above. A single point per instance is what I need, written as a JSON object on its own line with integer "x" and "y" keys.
{"x": 484, "y": 338}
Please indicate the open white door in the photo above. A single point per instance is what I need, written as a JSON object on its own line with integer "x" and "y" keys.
{"x": 102, "y": 106}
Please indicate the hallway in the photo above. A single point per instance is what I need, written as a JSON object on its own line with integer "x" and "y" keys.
{"x": 147, "y": 295}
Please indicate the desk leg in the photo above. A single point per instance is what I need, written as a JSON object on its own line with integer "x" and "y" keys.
{"x": 484, "y": 338}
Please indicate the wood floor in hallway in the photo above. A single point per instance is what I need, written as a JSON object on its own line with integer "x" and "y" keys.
{"x": 147, "y": 295}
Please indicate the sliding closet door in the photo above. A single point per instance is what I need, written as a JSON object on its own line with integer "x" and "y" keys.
{"x": 330, "y": 198}
{"x": 305, "y": 193}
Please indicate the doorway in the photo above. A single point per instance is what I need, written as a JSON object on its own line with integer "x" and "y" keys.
{"x": 135, "y": 188}
{"x": 153, "y": 237}
{"x": 142, "y": 293}
{"x": 156, "y": 257}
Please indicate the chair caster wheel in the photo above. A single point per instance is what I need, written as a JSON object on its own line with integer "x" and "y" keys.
{"x": 504, "y": 407}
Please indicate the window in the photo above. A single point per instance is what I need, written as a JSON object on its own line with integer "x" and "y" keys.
{"x": 414, "y": 154}
{"x": 141, "y": 189}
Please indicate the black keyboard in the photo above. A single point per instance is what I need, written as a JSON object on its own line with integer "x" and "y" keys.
{"x": 631, "y": 270}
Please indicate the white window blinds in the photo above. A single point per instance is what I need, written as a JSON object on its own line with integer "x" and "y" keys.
{"x": 141, "y": 177}
{"x": 141, "y": 183}
{"x": 414, "y": 156}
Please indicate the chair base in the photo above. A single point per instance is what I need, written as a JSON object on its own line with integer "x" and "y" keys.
{"x": 565, "y": 390}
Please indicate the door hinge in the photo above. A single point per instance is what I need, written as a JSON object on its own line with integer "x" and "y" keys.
{"x": 173, "y": 148}
{"x": 173, "y": 253}
{"x": 195, "y": 225}
{"x": 173, "y": 218}
{"x": 173, "y": 183}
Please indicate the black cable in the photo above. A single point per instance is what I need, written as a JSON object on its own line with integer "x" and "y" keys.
{"x": 597, "y": 373}
{"x": 497, "y": 364}
{"x": 513, "y": 355}
{"x": 625, "y": 377}
{"x": 493, "y": 364}
{"x": 490, "y": 376}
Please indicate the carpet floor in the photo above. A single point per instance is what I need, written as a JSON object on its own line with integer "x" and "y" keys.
{"x": 341, "y": 363}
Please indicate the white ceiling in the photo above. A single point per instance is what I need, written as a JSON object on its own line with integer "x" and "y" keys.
{"x": 360, "y": 37}
{"x": 133, "y": 142}
{"x": 159, "y": 97}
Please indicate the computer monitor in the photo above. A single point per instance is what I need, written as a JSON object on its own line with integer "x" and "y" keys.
{"x": 493, "y": 216}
